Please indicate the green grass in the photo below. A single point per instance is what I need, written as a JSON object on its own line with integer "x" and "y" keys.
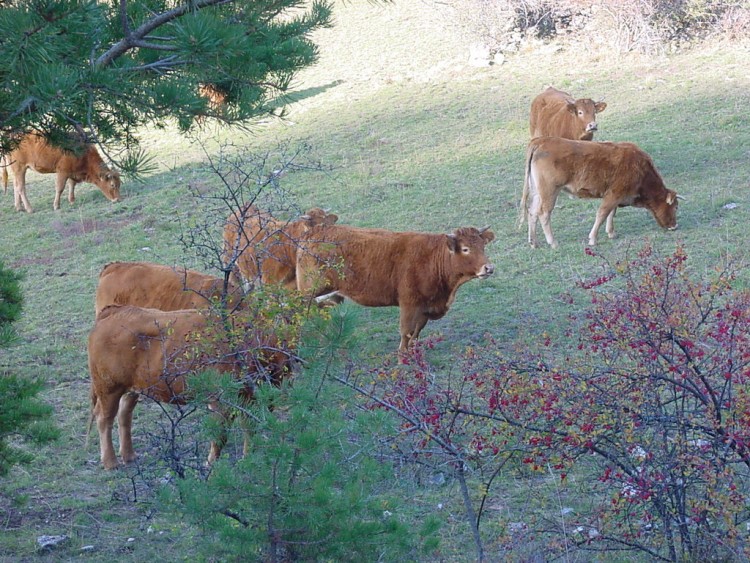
{"x": 416, "y": 140}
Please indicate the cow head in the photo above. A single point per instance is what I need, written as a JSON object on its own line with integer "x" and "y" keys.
{"x": 109, "y": 183}
{"x": 466, "y": 247}
{"x": 585, "y": 110}
{"x": 317, "y": 216}
{"x": 666, "y": 212}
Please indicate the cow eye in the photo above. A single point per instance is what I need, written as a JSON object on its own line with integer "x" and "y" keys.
{"x": 465, "y": 249}
{"x": 580, "y": 112}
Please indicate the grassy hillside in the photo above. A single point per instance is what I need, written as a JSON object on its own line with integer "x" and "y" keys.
{"x": 412, "y": 138}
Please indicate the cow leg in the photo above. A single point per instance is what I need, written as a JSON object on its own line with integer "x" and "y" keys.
{"x": 602, "y": 214}
{"x": 107, "y": 410}
{"x": 542, "y": 210}
{"x": 531, "y": 219}
{"x": 412, "y": 323}
{"x": 610, "y": 227}
{"x": 19, "y": 192}
{"x": 71, "y": 190}
{"x": 60, "y": 181}
{"x": 545, "y": 220}
{"x": 221, "y": 440}
{"x": 125, "y": 425}
{"x": 532, "y": 214}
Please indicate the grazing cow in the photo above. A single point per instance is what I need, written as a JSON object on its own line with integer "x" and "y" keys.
{"x": 265, "y": 248}
{"x": 555, "y": 113}
{"x": 136, "y": 350}
{"x": 418, "y": 272}
{"x": 621, "y": 174}
{"x": 34, "y": 152}
{"x": 145, "y": 284}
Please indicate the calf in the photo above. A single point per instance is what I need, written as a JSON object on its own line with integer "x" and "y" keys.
{"x": 555, "y": 113}
{"x": 137, "y": 350}
{"x": 418, "y": 272}
{"x": 263, "y": 248}
{"x": 621, "y": 174}
{"x": 161, "y": 287}
{"x": 34, "y": 152}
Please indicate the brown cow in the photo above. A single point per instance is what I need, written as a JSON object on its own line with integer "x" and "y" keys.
{"x": 136, "y": 350}
{"x": 418, "y": 272}
{"x": 266, "y": 248}
{"x": 621, "y": 174}
{"x": 216, "y": 96}
{"x": 34, "y": 152}
{"x": 555, "y": 113}
{"x": 160, "y": 287}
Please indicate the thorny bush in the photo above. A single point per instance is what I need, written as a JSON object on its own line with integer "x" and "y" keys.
{"x": 643, "y": 408}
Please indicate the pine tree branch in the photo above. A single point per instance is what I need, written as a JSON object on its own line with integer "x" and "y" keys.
{"x": 133, "y": 37}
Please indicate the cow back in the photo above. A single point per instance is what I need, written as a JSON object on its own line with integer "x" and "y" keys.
{"x": 145, "y": 284}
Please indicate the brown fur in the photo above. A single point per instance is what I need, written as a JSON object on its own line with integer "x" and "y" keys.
{"x": 418, "y": 272}
{"x": 136, "y": 350}
{"x": 266, "y": 248}
{"x": 555, "y": 113}
{"x": 34, "y": 152}
{"x": 621, "y": 174}
{"x": 145, "y": 284}
{"x": 215, "y": 96}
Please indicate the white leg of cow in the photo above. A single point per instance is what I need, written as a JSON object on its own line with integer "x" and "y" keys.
{"x": 60, "y": 180}
{"x": 105, "y": 419}
{"x": 19, "y": 192}
{"x": 125, "y": 426}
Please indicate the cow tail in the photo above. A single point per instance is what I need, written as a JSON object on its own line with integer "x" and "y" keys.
{"x": 525, "y": 193}
{"x": 4, "y": 164}
{"x": 91, "y": 417}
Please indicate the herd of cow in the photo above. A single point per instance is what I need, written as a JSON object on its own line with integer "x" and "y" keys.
{"x": 149, "y": 317}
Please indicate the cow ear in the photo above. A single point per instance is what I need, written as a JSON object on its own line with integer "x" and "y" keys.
{"x": 600, "y": 106}
{"x": 571, "y": 107}
{"x": 487, "y": 235}
{"x": 331, "y": 218}
{"x": 671, "y": 197}
{"x": 452, "y": 241}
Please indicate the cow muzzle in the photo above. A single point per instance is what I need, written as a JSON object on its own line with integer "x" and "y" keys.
{"x": 486, "y": 271}
{"x": 592, "y": 126}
